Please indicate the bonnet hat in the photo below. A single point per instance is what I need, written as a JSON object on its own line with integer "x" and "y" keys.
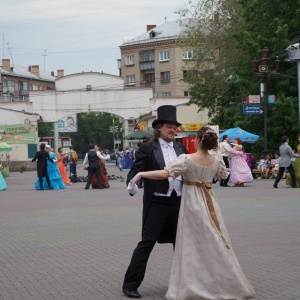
{"x": 166, "y": 113}
{"x": 48, "y": 146}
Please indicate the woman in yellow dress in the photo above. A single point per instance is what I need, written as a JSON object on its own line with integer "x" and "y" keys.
{"x": 296, "y": 166}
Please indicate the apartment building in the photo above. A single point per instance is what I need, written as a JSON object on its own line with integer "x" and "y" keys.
{"x": 156, "y": 59}
{"x": 17, "y": 81}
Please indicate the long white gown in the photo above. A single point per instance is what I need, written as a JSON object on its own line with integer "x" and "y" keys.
{"x": 204, "y": 265}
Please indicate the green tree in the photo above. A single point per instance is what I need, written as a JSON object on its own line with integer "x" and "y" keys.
{"x": 93, "y": 128}
{"x": 236, "y": 32}
{"x": 45, "y": 129}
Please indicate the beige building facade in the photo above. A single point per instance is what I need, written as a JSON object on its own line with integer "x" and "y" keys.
{"x": 16, "y": 81}
{"x": 156, "y": 59}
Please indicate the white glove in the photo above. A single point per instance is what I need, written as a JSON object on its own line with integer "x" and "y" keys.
{"x": 241, "y": 152}
{"x": 136, "y": 178}
{"x": 132, "y": 188}
{"x": 227, "y": 172}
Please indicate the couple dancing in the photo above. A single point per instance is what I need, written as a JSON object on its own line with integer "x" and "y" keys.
{"x": 204, "y": 264}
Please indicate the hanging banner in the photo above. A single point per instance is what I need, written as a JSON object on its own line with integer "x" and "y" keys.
{"x": 68, "y": 124}
{"x": 18, "y": 134}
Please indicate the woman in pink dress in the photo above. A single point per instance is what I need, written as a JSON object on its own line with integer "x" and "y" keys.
{"x": 240, "y": 170}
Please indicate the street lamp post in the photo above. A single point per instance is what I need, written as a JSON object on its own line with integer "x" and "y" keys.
{"x": 262, "y": 67}
{"x": 113, "y": 129}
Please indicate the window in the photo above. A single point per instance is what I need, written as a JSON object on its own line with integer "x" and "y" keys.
{"x": 186, "y": 93}
{"x": 23, "y": 85}
{"x": 190, "y": 74}
{"x": 146, "y": 56}
{"x": 165, "y": 76}
{"x": 165, "y": 94}
{"x": 35, "y": 87}
{"x": 187, "y": 54}
{"x": 130, "y": 80}
{"x": 129, "y": 60}
{"x": 164, "y": 55}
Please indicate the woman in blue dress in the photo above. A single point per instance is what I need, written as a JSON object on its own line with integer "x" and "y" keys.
{"x": 53, "y": 173}
{"x": 3, "y": 185}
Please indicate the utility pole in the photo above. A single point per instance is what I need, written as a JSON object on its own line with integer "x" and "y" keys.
{"x": 45, "y": 54}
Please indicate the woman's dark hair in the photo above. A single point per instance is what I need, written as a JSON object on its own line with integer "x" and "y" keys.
{"x": 208, "y": 137}
{"x": 59, "y": 149}
{"x": 225, "y": 136}
{"x": 284, "y": 139}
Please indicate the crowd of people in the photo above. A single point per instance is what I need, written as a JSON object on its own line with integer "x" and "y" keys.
{"x": 52, "y": 168}
{"x": 179, "y": 204}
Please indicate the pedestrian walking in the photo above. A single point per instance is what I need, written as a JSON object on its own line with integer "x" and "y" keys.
{"x": 286, "y": 153}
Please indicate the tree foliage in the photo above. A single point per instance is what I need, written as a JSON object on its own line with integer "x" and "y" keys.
{"x": 226, "y": 36}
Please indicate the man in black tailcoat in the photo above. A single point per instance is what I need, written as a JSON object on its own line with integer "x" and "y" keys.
{"x": 161, "y": 200}
{"x": 42, "y": 156}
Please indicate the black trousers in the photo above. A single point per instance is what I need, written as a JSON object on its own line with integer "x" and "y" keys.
{"x": 163, "y": 212}
{"x": 291, "y": 171}
{"x": 225, "y": 181}
{"x": 94, "y": 169}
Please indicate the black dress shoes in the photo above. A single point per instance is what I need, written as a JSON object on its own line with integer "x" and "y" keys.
{"x": 275, "y": 185}
{"x": 226, "y": 185}
{"x": 131, "y": 294}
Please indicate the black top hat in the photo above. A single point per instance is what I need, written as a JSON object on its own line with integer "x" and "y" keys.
{"x": 166, "y": 113}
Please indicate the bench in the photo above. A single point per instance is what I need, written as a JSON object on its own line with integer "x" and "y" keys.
{"x": 256, "y": 171}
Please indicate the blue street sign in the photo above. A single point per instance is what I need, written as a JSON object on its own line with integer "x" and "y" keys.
{"x": 251, "y": 109}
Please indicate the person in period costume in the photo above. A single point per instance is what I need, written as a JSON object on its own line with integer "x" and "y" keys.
{"x": 296, "y": 166}
{"x": 226, "y": 150}
{"x": 91, "y": 159}
{"x": 73, "y": 165}
{"x": 240, "y": 171}
{"x": 204, "y": 263}
{"x": 61, "y": 166}
{"x": 3, "y": 185}
{"x": 42, "y": 158}
{"x": 161, "y": 200}
{"x": 103, "y": 171}
{"x": 55, "y": 178}
{"x": 286, "y": 153}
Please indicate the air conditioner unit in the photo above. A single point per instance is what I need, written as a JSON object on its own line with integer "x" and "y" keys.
{"x": 88, "y": 87}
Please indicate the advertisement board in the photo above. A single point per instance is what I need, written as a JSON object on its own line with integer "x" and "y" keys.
{"x": 68, "y": 124}
{"x": 18, "y": 134}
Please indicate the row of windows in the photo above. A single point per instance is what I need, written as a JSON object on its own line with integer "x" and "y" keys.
{"x": 22, "y": 85}
{"x": 149, "y": 56}
{"x": 164, "y": 77}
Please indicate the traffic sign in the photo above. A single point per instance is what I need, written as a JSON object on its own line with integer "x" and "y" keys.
{"x": 253, "y": 98}
{"x": 252, "y": 109}
{"x": 271, "y": 99}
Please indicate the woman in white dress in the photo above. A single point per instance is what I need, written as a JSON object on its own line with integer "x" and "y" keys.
{"x": 204, "y": 264}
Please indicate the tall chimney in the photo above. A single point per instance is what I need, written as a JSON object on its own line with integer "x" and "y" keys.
{"x": 35, "y": 70}
{"x": 60, "y": 73}
{"x": 6, "y": 64}
{"x": 149, "y": 27}
{"x": 52, "y": 73}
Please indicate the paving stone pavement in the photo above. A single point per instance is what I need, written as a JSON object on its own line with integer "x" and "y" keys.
{"x": 76, "y": 244}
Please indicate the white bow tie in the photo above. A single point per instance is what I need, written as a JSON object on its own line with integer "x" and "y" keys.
{"x": 168, "y": 145}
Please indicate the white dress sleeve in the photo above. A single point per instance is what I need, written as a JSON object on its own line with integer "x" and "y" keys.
{"x": 222, "y": 170}
{"x": 178, "y": 166}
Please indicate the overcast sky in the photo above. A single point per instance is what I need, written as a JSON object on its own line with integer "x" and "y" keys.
{"x": 78, "y": 35}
